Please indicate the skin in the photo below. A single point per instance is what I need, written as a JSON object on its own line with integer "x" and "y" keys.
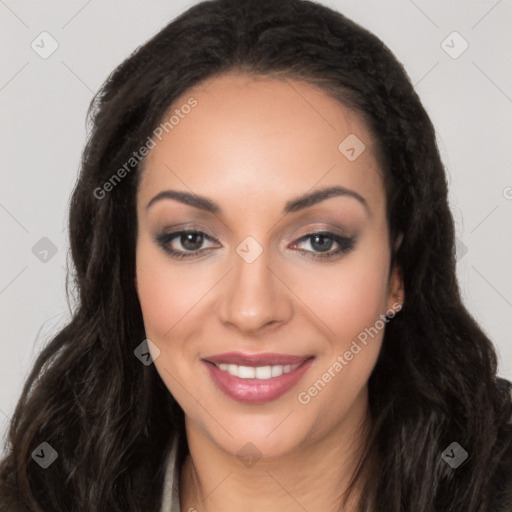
{"x": 250, "y": 145}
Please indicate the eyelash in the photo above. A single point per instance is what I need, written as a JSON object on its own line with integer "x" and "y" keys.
{"x": 346, "y": 244}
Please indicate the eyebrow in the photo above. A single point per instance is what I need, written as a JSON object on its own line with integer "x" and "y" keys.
{"x": 294, "y": 205}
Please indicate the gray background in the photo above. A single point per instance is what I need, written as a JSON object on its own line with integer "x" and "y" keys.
{"x": 43, "y": 132}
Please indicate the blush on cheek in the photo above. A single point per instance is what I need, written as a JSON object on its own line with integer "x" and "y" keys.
{"x": 162, "y": 306}
{"x": 159, "y": 296}
{"x": 167, "y": 296}
{"x": 349, "y": 304}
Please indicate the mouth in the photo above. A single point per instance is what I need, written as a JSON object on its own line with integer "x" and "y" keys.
{"x": 256, "y": 378}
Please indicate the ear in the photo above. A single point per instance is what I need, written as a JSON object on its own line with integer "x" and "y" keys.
{"x": 396, "y": 292}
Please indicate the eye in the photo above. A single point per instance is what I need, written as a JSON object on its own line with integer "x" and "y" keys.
{"x": 190, "y": 240}
{"x": 322, "y": 241}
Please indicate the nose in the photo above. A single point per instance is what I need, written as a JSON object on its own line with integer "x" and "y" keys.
{"x": 255, "y": 296}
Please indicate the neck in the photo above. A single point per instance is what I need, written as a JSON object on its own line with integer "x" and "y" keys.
{"x": 314, "y": 476}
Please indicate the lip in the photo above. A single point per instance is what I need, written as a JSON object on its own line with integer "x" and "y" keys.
{"x": 262, "y": 359}
{"x": 257, "y": 391}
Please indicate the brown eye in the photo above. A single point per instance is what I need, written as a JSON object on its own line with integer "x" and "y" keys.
{"x": 190, "y": 242}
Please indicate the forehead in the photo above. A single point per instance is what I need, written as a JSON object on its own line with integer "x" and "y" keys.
{"x": 262, "y": 138}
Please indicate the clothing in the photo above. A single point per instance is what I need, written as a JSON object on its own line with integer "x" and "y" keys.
{"x": 171, "y": 496}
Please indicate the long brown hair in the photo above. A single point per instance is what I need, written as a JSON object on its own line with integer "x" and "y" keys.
{"x": 112, "y": 420}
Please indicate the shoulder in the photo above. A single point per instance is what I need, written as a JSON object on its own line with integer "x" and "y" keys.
{"x": 501, "y": 482}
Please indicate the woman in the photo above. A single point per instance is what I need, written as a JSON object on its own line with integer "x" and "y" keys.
{"x": 269, "y": 316}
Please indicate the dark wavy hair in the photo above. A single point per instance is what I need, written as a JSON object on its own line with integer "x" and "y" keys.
{"x": 112, "y": 420}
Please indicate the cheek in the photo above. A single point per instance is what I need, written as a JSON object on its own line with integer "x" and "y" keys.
{"x": 166, "y": 294}
{"x": 365, "y": 288}
{"x": 350, "y": 296}
{"x": 349, "y": 302}
{"x": 167, "y": 297}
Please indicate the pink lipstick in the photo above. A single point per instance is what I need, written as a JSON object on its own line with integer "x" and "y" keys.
{"x": 256, "y": 378}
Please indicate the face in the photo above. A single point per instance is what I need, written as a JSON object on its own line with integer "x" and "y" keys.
{"x": 263, "y": 303}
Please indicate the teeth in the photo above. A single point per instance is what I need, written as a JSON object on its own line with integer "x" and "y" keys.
{"x": 263, "y": 372}
{"x": 246, "y": 372}
{"x": 258, "y": 372}
{"x": 276, "y": 370}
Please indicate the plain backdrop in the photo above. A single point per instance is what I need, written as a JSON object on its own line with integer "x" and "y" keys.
{"x": 466, "y": 91}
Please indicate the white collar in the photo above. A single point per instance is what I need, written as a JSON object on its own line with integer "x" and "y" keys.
{"x": 171, "y": 493}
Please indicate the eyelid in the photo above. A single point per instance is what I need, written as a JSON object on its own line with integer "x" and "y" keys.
{"x": 184, "y": 226}
{"x": 345, "y": 244}
{"x": 317, "y": 227}
{"x": 322, "y": 227}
